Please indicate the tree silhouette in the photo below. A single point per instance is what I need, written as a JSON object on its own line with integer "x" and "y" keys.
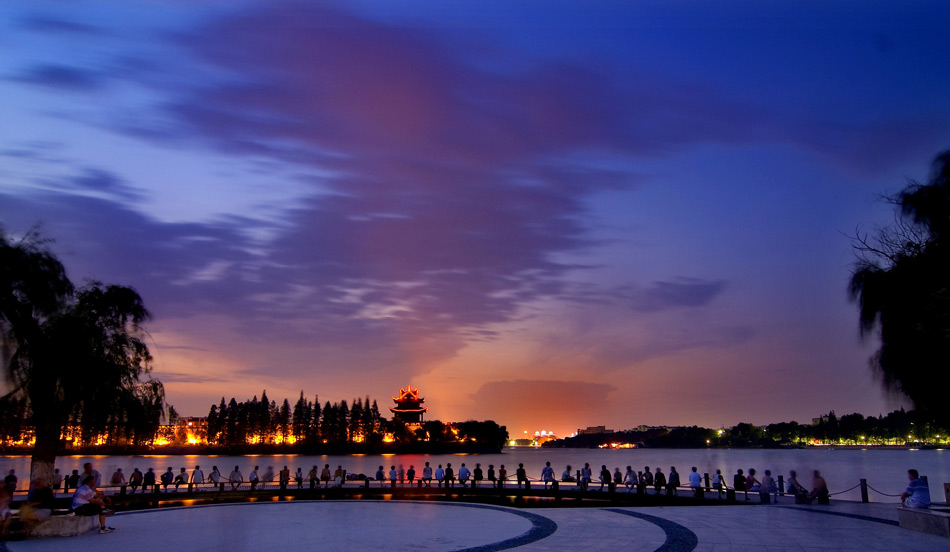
{"x": 902, "y": 286}
{"x": 72, "y": 356}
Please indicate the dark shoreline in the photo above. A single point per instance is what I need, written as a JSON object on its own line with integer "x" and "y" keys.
{"x": 271, "y": 450}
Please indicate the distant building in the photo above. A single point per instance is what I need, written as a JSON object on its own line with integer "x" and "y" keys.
{"x": 408, "y": 407}
{"x": 594, "y": 430}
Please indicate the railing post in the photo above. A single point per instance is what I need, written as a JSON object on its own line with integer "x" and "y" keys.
{"x": 864, "y": 490}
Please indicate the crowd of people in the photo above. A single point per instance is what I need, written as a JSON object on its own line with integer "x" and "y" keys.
{"x": 89, "y": 500}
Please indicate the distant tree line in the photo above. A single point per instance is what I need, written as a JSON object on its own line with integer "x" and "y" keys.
{"x": 896, "y": 428}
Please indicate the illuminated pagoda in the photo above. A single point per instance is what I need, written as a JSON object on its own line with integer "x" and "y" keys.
{"x": 408, "y": 407}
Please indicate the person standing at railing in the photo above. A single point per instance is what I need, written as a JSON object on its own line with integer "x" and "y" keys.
{"x": 917, "y": 494}
{"x": 236, "y": 478}
{"x": 547, "y": 474}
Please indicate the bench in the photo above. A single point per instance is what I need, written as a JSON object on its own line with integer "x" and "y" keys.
{"x": 935, "y": 521}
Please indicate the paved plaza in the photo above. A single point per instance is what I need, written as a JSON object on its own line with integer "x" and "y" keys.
{"x": 394, "y": 526}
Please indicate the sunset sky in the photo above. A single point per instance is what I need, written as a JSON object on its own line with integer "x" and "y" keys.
{"x": 550, "y": 214}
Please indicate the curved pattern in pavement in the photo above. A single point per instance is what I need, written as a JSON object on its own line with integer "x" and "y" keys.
{"x": 678, "y": 537}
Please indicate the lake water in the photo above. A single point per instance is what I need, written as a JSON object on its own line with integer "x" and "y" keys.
{"x": 885, "y": 470}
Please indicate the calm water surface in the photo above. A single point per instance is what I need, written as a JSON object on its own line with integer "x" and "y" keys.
{"x": 885, "y": 470}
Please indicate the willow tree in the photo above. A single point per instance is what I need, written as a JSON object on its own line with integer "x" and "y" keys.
{"x": 902, "y": 286}
{"x": 73, "y": 356}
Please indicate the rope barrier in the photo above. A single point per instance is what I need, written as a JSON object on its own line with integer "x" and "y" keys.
{"x": 844, "y": 491}
{"x": 880, "y": 493}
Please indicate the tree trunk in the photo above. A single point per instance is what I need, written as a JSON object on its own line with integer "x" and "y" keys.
{"x": 44, "y": 455}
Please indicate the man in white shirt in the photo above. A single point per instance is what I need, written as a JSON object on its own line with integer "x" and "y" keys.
{"x": 695, "y": 481}
{"x": 86, "y": 503}
{"x": 463, "y": 475}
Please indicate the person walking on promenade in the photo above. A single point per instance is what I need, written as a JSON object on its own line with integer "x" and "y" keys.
{"x": 439, "y": 475}
{"x": 449, "y": 475}
{"x": 630, "y": 479}
{"x": 659, "y": 481}
{"x": 586, "y": 476}
{"x": 313, "y": 476}
{"x": 427, "y": 475}
{"x": 411, "y": 474}
{"x": 917, "y": 494}
{"x": 819, "y": 489}
{"x": 235, "y": 479}
{"x": 672, "y": 482}
{"x": 392, "y": 476}
{"x": 766, "y": 488}
{"x": 135, "y": 480}
{"x": 604, "y": 476}
{"x": 477, "y": 475}
{"x": 254, "y": 479}
{"x": 464, "y": 474}
{"x": 738, "y": 483}
{"x": 284, "y": 478}
{"x": 148, "y": 481}
{"x": 325, "y": 475}
{"x": 547, "y": 474}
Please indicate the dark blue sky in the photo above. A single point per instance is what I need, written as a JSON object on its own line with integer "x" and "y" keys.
{"x": 552, "y": 214}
